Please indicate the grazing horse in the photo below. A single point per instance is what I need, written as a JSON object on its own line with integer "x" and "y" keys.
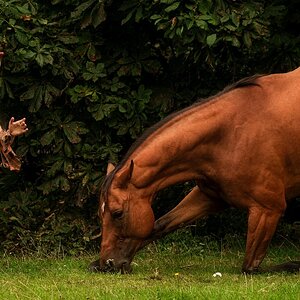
{"x": 241, "y": 147}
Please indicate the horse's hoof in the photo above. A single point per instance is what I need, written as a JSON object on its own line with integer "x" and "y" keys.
{"x": 252, "y": 271}
{"x": 94, "y": 266}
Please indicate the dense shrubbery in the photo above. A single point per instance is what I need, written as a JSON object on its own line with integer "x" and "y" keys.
{"x": 91, "y": 75}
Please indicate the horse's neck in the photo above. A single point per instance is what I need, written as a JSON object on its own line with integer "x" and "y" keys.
{"x": 158, "y": 178}
{"x": 172, "y": 154}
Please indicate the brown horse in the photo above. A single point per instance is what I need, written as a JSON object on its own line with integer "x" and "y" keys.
{"x": 242, "y": 149}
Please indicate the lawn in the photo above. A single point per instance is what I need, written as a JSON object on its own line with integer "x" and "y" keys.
{"x": 170, "y": 269}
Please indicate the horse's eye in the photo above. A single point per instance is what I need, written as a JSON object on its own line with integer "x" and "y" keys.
{"x": 117, "y": 214}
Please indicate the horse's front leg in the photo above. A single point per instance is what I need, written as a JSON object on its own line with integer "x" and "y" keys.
{"x": 194, "y": 206}
{"x": 262, "y": 223}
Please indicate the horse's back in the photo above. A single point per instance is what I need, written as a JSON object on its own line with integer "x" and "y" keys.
{"x": 282, "y": 91}
{"x": 273, "y": 104}
{"x": 262, "y": 146}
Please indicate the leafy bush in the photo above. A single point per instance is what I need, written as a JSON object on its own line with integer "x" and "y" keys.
{"x": 91, "y": 75}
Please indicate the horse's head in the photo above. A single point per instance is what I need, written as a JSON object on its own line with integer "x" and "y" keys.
{"x": 127, "y": 219}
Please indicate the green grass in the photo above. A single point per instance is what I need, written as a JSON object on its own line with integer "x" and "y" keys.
{"x": 172, "y": 270}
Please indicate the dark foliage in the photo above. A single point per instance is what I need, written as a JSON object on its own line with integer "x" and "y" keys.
{"x": 91, "y": 75}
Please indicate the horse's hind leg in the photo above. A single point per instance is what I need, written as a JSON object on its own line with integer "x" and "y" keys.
{"x": 262, "y": 224}
{"x": 290, "y": 266}
{"x": 194, "y": 206}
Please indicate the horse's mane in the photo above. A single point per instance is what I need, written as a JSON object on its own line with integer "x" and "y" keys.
{"x": 245, "y": 82}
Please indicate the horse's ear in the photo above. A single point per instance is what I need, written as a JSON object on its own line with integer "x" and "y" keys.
{"x": 110, "y": 168}
{"x": 124, "y": 175}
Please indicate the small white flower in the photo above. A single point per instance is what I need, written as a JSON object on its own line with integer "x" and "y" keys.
{"x": 217, "y": 274}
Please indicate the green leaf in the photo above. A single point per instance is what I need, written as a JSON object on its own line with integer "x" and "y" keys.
{"x": 167, "y": 1}
{"x": 48, "y": 59}
{"x": 128, "y": 17}
{"x": 236, "y": 42}
{"x": 224, "y": 19}
{"x": 98, "y": 14}
{"x": 68, "y": 167}
{"x": 94, "y": 72}
{"x": 64, "y": 184}
{"x": 43, "y": 21}
{"x": 122, "y": 109}
{"x": 71, "y": 133}
{"x": 139, "y": 14}
{"x": 81, "y": 8}
{"x": 48, "y": 137}
{"x": 155, "y": 17}
{"x": 50, "y": 93}
{"x": 189, "y": 24}
{"x": 40, "y": 59}
{"x": 235, "y": 19}
{"x": 230, "y": 27}
{"x": 97, "y": 112}
{"x": 211, "y": 39}
{"x": 68, "y": 150}
{"x": 5, "y": 88}
{"x": 68, "y": 39}
{"x": 23, "y": 9}
{"x": 202, "y": 24}
{"x": 247, "y": 39}
{"x": 91, "y": 53}
{"x": 122, "y": 130}
{"x": 55, "y": 168}
{"x": 36, "y": 102}
{"x": 172, "y": 7}
{"x": 21, "y": 37}
{"x": 72, "y": 130}
{"x": 29, "y": 94}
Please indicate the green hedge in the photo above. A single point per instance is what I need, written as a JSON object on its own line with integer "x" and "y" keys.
{"x": 91, "y": 76}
